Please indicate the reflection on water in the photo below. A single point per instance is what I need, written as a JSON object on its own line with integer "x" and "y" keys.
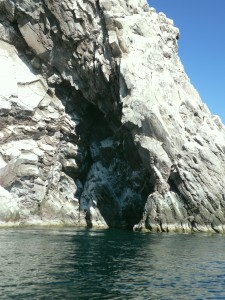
{"x": 73, "y": 263}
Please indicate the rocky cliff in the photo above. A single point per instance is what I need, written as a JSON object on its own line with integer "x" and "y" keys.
{"x": 100, "y": 125}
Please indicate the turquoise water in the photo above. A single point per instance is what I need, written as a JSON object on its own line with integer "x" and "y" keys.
{"x": 73, "y": 263}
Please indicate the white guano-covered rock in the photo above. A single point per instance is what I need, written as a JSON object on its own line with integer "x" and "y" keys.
{"x": 100, "y": 125}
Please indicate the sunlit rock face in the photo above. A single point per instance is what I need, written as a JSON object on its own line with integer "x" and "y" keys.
{"x": 100, "y": 125}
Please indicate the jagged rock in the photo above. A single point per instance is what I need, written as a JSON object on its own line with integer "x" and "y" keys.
{"x": 100, "y": 125}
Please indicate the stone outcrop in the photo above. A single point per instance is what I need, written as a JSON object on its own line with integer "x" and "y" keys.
{"x": 100, "y": 125}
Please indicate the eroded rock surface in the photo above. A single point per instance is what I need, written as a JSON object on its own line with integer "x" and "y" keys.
{"x": 100, "y": 125}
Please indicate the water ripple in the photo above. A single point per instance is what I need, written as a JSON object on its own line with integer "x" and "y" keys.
{"x": 73, "y": 263}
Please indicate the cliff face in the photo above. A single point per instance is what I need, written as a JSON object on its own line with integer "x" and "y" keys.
{"x": 100, "y": 125}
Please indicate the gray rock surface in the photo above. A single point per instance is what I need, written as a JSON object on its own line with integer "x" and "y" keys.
{"x": 100, "y": 125}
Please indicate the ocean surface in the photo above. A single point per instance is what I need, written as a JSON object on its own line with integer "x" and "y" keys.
{"x": 69, "y": 263}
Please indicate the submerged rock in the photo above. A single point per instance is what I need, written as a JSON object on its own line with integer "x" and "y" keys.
{"x": 100, "y": 125}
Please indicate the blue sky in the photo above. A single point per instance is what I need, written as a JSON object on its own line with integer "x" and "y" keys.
{"x": 201, "y": 45}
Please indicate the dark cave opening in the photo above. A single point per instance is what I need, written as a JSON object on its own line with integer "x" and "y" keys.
{"x": 172, "y": 184}
{"x": 121, "y": 157}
